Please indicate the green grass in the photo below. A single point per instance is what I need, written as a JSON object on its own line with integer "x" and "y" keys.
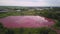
{"x": 57, "y": 25}
{"x": 2, "y": 15}
{"x": 30, "y": 31}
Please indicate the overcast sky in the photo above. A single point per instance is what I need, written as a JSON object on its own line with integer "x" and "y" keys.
{"x": 29, "y": 2}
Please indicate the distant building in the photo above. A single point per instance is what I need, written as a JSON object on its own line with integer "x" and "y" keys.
{"x": 18, "y": 10}
{"x": 39, "y": 9}
{"x": 3, "y": 10}
{"x": 31, "y": 9}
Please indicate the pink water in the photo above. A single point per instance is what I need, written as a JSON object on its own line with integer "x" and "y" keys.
{"x": 26, "y": 21}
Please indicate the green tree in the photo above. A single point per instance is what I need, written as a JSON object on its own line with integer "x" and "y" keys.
{"x": 9, "y": 31}
{"x": 46, "y": 31}
{"x": 21, "y": 30}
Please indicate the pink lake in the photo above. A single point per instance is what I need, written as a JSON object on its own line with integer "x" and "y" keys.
{"x": 26, "y": 22}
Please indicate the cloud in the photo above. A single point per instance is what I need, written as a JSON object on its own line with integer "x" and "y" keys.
{"x": 30, "y": 2}
{"x": 21, "y": 3}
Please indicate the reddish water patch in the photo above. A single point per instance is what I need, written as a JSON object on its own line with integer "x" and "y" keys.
{"x": 26, "y": 21}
